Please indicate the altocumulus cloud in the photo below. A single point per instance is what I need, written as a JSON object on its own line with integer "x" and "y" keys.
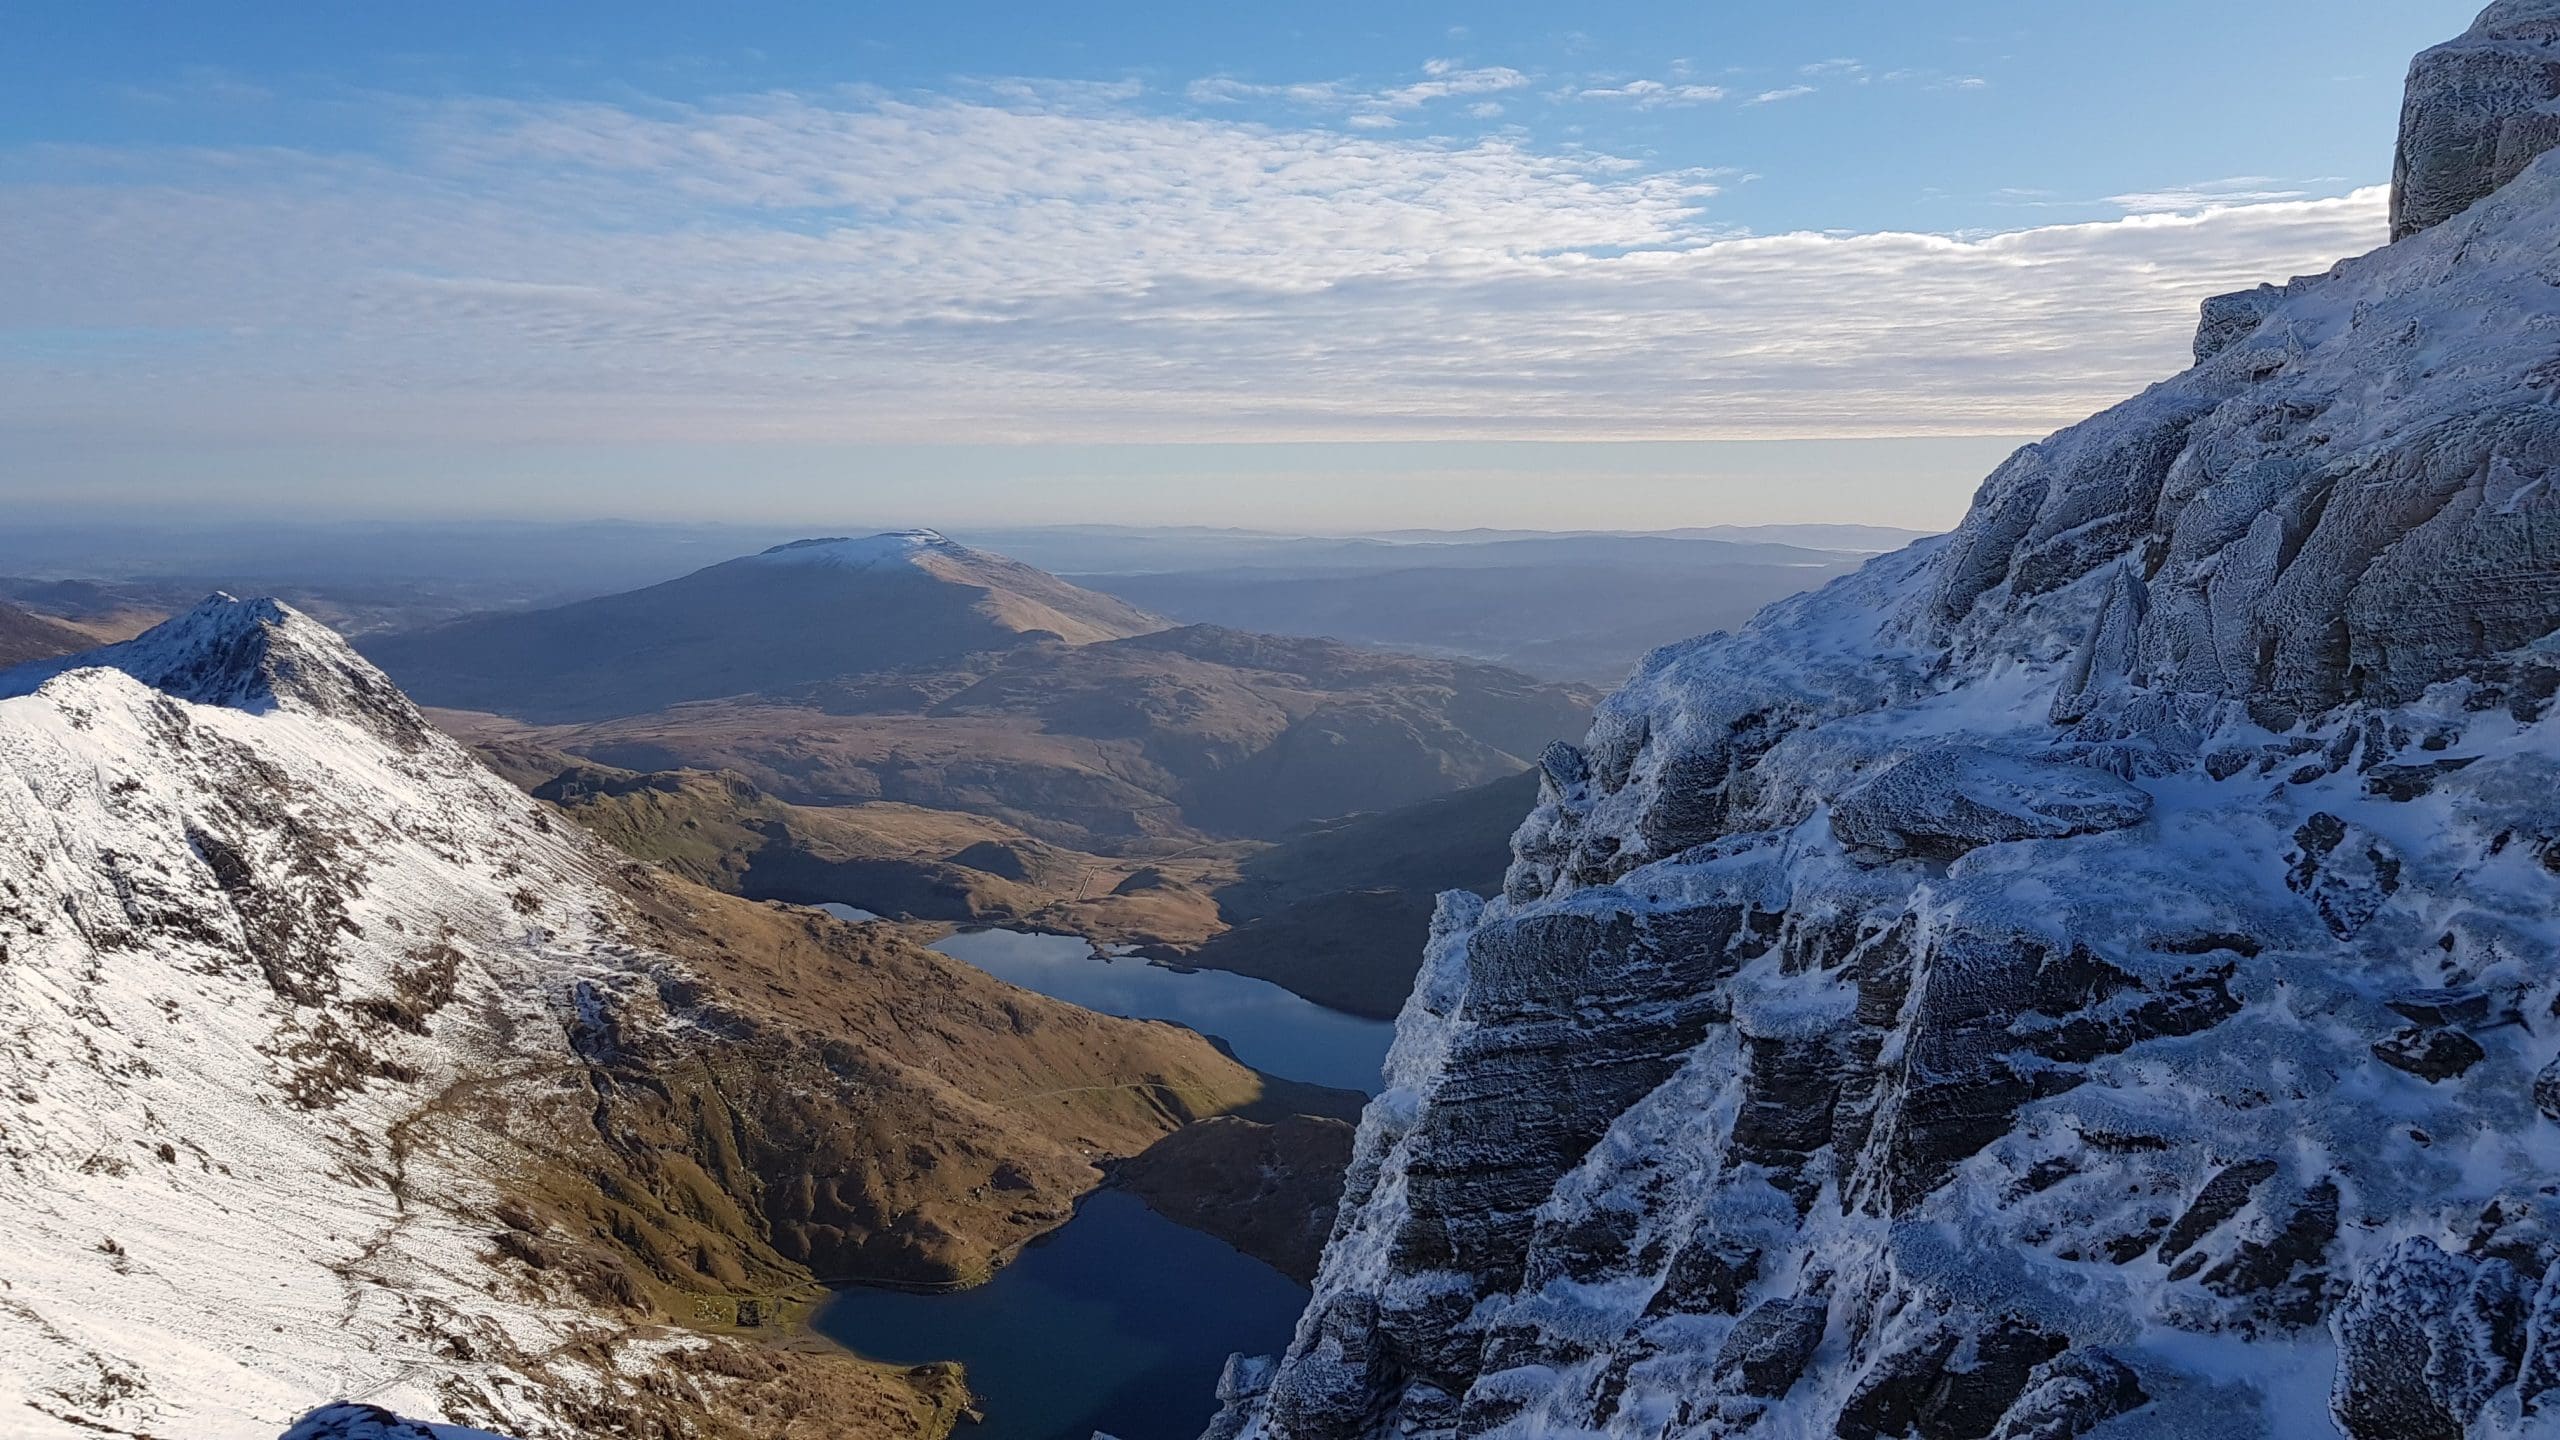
{"x": 1047, "y": 262}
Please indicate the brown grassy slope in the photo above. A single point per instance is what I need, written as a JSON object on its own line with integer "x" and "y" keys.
{"x": 25, "y": 636}
{"x": 897, "y": 860}
{"x": 1159, "y": 741}
{"x": 746, "y": 625}
{"x": 872, "y": 1110}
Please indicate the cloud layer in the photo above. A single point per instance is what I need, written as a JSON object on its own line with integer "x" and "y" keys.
{"x": 1031, "y": 261}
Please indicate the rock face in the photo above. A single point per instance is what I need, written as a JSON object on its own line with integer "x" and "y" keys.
{"x": 2087, "y": 975}
{"x": 2480, "y": 108}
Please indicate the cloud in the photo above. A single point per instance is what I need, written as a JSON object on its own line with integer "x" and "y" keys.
{"x": 1772, "y": 97}
{"x": 198, "y": 85}
{"x": 1041, "y": 264}
{"x": 1653, "y": 94}
{"x": 2236, "y": 190}
{"x": 1442, "y": 80}
{"x": 2175, "y": 199}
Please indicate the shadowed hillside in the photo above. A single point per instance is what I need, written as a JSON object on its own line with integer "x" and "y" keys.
{"x": 796, "y": 613}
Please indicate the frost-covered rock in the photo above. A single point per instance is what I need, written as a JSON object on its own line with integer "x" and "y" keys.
{"x": 2480, "y": 108}
{"x": 372, "y": 1422}
{"x": 1949, "y": 799}
{"x": 2095, "y": 967}
{"x": 2425, "y": 1339}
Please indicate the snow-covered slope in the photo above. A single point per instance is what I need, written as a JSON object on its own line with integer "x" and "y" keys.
{"x": 869, "y": 552}
{"x": 2097, "y": 973}
{"x": 243, "y": 942}
{"x": 332, "y": 1068}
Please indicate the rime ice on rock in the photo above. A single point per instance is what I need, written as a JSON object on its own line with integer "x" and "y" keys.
{"x": 2092, "y": 974}
{"x": 2480, "y": 108}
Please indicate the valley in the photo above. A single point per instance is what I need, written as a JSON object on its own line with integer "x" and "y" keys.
{"x": 1281, "y": 808}
{"x": 630, "y": 1101}
{"x": 1103, "y": 973}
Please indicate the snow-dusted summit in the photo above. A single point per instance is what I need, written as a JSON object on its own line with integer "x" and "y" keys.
{"x": 797, "y": 614}
{"x": 2097, "y": 974}
{"x": 253, "y": 914}
{"x": 339, "y": 1080}
{"x": 250, "y": 655}
{"x": 895, "y": 547}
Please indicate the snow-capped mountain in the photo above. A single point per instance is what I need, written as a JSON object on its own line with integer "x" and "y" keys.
{"x": 2094, "y": 974}
{"x": 252, "y": 910}
{"x": 334, "y": 1071}
{"x": 807, "y": 611}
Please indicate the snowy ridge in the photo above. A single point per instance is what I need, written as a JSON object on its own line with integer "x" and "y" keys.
{"x": 2092, "y": 974}
{"x": 258, "y": 928}
{"x": 871, "y": 552}
{"x": 251, "y": 655}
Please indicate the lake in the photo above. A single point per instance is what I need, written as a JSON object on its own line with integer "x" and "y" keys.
{"x": 1119, "y": 1322}
{"x": 1121, "y": 1319}
{"x": 1269, "y": 1028}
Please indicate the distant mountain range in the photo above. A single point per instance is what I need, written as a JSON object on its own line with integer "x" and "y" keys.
{"x": 372, "y": 579}
{"x": 1572, "y": 607}
{"x": 908, "y": 668}
{"x": 797, "y": 613}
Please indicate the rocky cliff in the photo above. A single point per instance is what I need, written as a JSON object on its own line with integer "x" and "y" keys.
{"x": 2480, "y": 108}
{"x": 2094, "y": 974}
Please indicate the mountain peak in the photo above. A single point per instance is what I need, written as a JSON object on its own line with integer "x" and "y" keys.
{"x": 893, "y": 547}
{"x": 798, "y": 613}
{"x": 256, "y": 655}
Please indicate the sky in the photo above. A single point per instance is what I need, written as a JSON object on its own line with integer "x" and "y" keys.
{"x": 1316, "y": 266}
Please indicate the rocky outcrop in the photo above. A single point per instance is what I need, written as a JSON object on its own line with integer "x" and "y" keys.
{"x": 1947, "y": 800}
{"x": 2480, "y": 109}
{"x": 372, "y": 1422}
{"x": 2087, "y": 975}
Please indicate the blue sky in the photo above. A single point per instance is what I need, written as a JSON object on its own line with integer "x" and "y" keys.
{"x": 1315, "y": 265}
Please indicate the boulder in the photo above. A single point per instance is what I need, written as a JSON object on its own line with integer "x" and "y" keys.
{"x": 2479, "y": 109}
{"x": 1940, "y": 803}
{"x": 1770, "y": 1347}
{"x": 2424, "y": 1340}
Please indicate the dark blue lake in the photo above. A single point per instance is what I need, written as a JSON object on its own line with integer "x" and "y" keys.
{"x": 1269, "y": 1028}
{"x": 1117, "y": 1322}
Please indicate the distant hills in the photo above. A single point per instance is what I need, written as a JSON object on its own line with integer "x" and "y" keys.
{"x": 1177, "y": 736}
{"x": 1570, "y": 605}
{"x": 26, "y": 636}
{"x": 800, "y": 612}
{"x": 1581, "y": 607}
{"x": 909, "y": 669}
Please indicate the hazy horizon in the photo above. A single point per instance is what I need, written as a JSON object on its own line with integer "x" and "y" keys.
{"x": 1920, "y": 483}
{"x": 1327, "y": 268}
